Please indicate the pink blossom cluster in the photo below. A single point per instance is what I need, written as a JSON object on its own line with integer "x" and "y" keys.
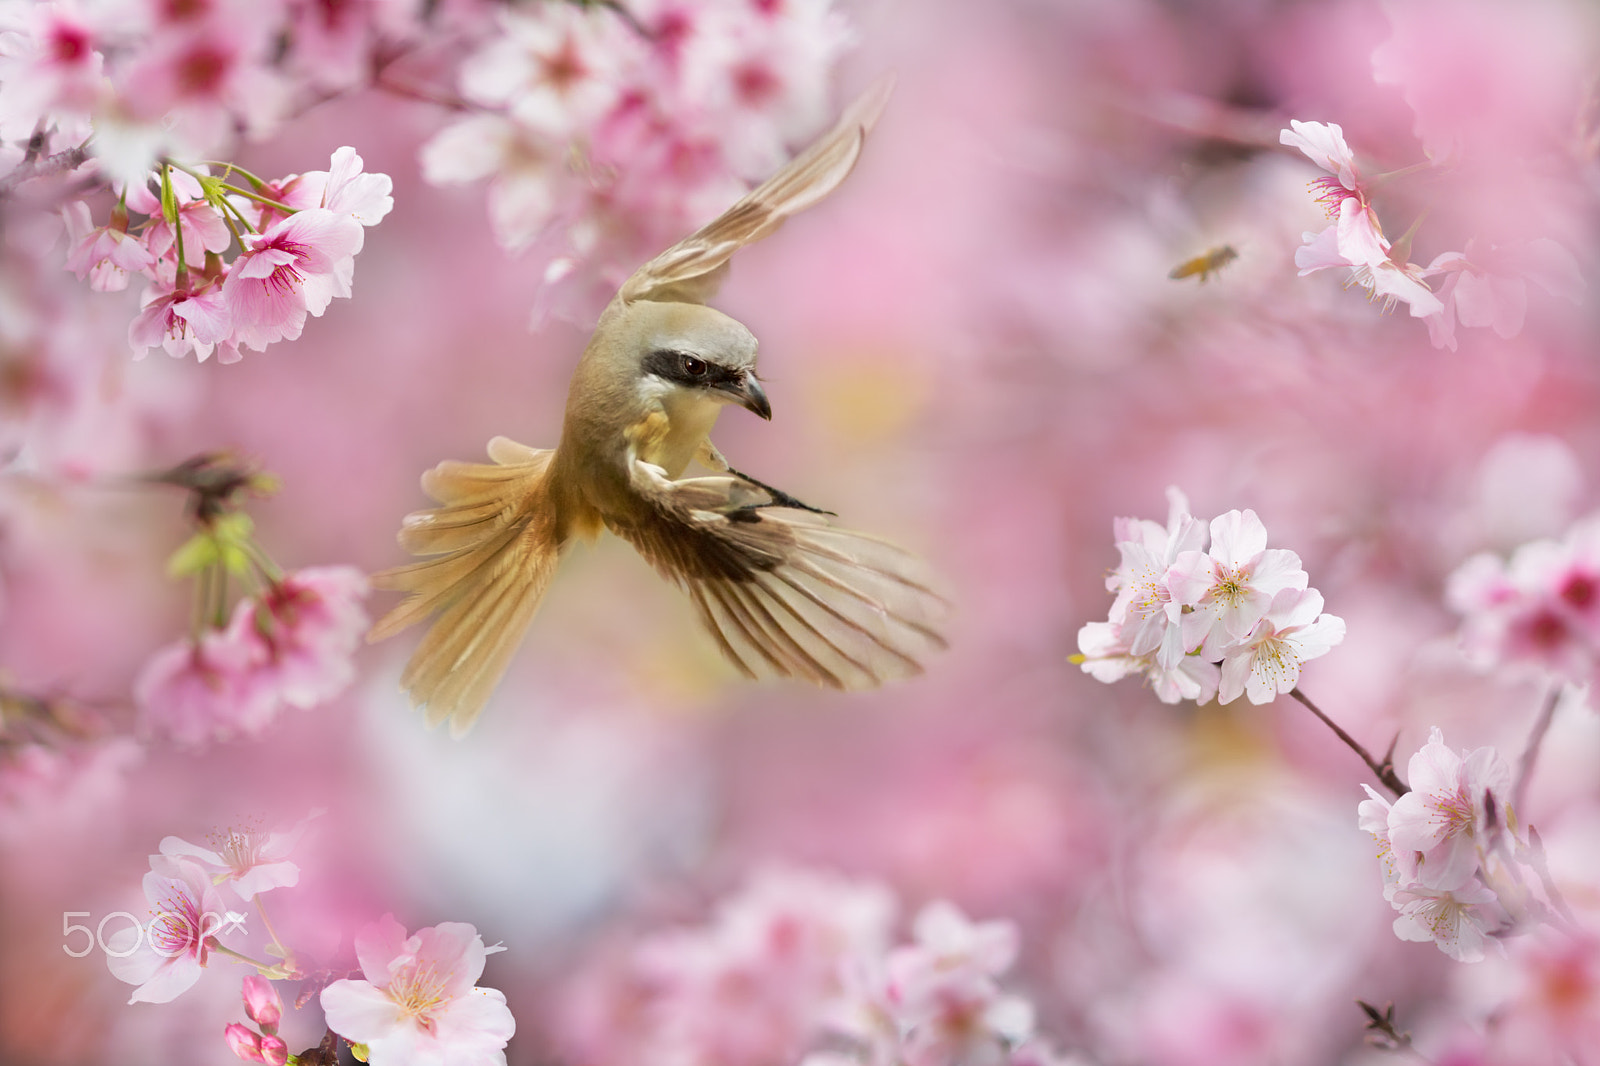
{"x": 608, "y": 129}
{"x": 799, "y": 965}
{"x": 417, "y": 1001}
{"x": 1539, "y": 611}
{"x": 149, "y": 79}
{"x": 263, "y": 1007}
{"x": 1231, "y": 619}
{"x": 1451, "y": 860}
{"x": 297, "y": 238}
{"x": 289, "y": 647}
{"x": 192, "y": 891}
{"x": 1486, "y": 285}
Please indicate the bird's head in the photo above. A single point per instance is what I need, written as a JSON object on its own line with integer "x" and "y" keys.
{"x": 694, "y": 353}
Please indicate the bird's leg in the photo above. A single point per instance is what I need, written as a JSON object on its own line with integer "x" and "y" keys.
{"x": 710, "y": 457}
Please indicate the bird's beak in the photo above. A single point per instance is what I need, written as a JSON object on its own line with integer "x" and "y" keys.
{"x": 747, "y": 393}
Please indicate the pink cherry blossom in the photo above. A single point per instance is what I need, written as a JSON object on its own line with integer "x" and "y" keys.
{"x": 1372, "y": 816}
{"x": 210, "y": 690}
{"x": 165, "y": 957}
{"x": 183, "y": 321}
{"x": 291, "y": 269}
{"x": 54, "y": 65}
{"x": 312, "y": 622}
{"x": 261, "y": 1002}
{"x": 554, "y": 70}
{"x": 1459, "y": 921}
{"x": 1540, "y": 610}
{"x": 1151, "y": 621}
{"x": 244, "y": 858}
{"x": 1266, "y": 662}
{"x": 1488, "y": 286}
{"x": 943, "y": 990}
{"x": 1232, "y": 585}
{"x": 343, "y": 189}
{"x": 1323, "y": 143}
{"x": 1438, "y": 828}
{"x": 418, "y": 1002}
{"x": 243, "y": 1042}
{"x": 1107, "y": 658}
{"x": 107, "y": 255}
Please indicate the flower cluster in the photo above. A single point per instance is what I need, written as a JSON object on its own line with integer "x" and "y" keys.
{"x": 151, "y": 79}
{"x": 291, "y": 646}
{"x": 799, "y": 959}
{"x": 606, "y": 125}
{"x": 297, "y": 238}
{"x": 1485, "y": 285}
{"x": 189, "y": 912}
{"x": 289, "y": 643}
{"x": 1451, "y": 860}
{"x": 1231, "y": 619}
{"x": 418, "y": 1000}
{"x": 263, "y": 1007}
{"x": 1540, "y": 611}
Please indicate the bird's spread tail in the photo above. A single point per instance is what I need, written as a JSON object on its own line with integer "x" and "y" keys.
{"x": 495, "y": 542}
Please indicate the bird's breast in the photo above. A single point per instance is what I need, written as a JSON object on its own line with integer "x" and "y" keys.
{"x": 671, "y": 435}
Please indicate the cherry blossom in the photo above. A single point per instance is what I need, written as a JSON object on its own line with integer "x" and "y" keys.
{"x": 1106, "y": 657}
{"x": 291, "y": 269}
{"x": 1438, "y": 828}
{"x": 311, "y": 622}
{"x": 212, "y": 689}
{"x": 943, "y": 992}
{"x": 183, "y": 321}
{"x": 1487, "y": 286}
{"x": 261, "y": 1002}
{"x": 246, "y": 859}
{"x": 1460, "y": 921}
{"x": 1232, "y": 585}
{"x": 165, "y": 957}
{"x": 1151, "y": 620}
{"x": 1540, "y": 610}
{"x": 107, "y": 255}
{"x": 1266, "y": 662}
{"x": 418, "y": 1002}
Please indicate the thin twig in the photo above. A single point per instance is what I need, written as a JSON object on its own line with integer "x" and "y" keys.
{"x": 70, "y": 159}
{"x": 1384, "y": 771}
{"x": 1530, "y": 754}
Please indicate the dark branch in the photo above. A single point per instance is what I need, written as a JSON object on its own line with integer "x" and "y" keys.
{"x": 1384, "y": 770}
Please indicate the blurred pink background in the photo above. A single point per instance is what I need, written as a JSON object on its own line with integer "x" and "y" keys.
{"x": 973, "y": 349}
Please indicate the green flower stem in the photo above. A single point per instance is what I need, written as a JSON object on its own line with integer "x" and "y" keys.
{"x": 282, "y": 952}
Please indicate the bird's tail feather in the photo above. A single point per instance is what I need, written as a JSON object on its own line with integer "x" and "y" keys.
{"x": 495, "y": 542}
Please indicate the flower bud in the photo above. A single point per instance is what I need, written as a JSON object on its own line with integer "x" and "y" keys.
{"x": 274, "y": 1052}
{"x": 261, "y": 1003}
{"x": 245, "y": 1043}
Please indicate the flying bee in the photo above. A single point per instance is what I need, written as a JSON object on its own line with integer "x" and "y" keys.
{"x": 1205, "y": 264}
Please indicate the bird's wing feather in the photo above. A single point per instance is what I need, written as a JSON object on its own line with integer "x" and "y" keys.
{"x": 691, "y": 270}
{"x": 783, "y": 593}
{"x": 495, "y": 548}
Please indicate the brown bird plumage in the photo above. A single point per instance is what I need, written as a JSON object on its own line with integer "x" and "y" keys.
{"x": 783, "y": 593}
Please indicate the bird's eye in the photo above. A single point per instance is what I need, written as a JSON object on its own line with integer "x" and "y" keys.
{"x": 695, "y": 368}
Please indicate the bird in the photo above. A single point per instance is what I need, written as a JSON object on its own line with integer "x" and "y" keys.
{"x": 782, "y": 591}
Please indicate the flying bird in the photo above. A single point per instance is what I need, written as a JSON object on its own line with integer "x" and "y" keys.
{"x": 782, "y": 592}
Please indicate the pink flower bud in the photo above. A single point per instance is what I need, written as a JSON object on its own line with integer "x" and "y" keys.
{"x": 245, "y": 1043}
{"x": 274, "y": 1052}
{"x": 261, "y": 1002}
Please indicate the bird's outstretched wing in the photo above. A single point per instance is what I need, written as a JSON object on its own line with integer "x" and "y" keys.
{"x": 494, "y": 548}
{"x": 691, "y": 270}
{"x": 784, "y": 593}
